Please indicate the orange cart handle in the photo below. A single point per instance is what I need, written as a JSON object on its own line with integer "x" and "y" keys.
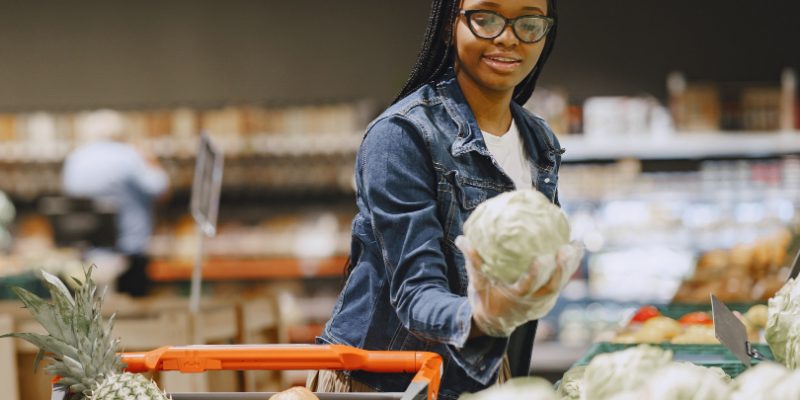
{"x": 201, "y": 358}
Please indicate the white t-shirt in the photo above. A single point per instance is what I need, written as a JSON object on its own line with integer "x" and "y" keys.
{"x": 509, "y": 151}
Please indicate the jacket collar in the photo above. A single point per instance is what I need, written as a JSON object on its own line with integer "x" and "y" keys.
{"x": 470, "y": 138}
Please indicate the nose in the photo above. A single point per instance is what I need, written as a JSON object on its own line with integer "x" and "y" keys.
{"x": 507, "y": 38}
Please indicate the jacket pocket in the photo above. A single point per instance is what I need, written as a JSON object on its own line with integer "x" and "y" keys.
{"x": 471, "y": 192}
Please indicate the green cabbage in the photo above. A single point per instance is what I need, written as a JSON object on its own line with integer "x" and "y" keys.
{"x": 687, "y": 381}
{"x": 511, "y": 230}
{"x": 757, "y": 382}
{"x": 571, "y": 385}
{"x": 517, "y": 388}
{"x": 783, "y": 324}
{"x": 621, "y": 372}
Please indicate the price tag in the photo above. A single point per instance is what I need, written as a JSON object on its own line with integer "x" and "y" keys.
{"x": 206, "y": 185}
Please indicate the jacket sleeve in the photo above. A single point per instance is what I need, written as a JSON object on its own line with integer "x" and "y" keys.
{"x": 395, "y": 176}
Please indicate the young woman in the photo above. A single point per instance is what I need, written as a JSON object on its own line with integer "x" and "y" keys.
{"x": 456, "y": 136}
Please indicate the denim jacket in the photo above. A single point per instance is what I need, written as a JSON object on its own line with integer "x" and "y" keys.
{"x": 422, "y": 168}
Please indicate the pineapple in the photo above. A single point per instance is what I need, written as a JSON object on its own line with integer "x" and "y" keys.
{"x": 80, "y": 345}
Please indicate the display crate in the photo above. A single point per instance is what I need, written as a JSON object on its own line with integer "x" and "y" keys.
{"x": 706, "y": 355}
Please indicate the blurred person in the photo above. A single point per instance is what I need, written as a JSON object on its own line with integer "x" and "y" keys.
{"x": 456, "y": 135}
{"x": 105, "y": 167}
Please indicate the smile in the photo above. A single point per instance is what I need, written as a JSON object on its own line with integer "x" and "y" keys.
{"x": 501, "y": 64}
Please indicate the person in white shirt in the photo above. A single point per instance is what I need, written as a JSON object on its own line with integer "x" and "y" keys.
{"x": 105, "y": 167}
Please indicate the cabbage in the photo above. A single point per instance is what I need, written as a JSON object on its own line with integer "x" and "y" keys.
{"x": 517, "y": 388}
{"x": 611, "y": 374}
{"x": 756, "y": 382}
{"x": 783, "y": 324}
{"x": 511, "y": 230}
{"x": 686, "y": 381}
{"x": 788, "y": 387}
{"x": 571, "y": 385}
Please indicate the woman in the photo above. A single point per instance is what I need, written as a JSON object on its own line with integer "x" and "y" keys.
{"x": 456, "y": 136}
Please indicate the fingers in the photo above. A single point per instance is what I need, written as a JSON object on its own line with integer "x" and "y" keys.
{"x": 552, "y": 285}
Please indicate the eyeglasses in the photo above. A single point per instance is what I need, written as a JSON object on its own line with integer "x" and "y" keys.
{"x": 487, "y": 24}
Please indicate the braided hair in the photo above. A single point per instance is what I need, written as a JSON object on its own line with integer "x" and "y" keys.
{"x": 437, "y": 53}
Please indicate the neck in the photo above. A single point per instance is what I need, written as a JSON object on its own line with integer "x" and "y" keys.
{"x": 492, "y": 109}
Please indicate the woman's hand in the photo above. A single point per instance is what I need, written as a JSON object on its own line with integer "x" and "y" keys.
{"x": 499, "y": 308}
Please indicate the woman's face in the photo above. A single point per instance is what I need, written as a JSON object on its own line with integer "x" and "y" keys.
{"x": 496, "y": 65}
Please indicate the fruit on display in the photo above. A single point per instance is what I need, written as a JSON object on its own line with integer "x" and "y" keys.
{"x": 696, "y": 318}
{"x": 648, "y": 325}
{"x": 746, "y": 273}
{"x": 644, "y": 313}
{"x": 79, "y": 345}
{"x": 757, "y": 316}
{"x": 696, "y": 334}
{"x": 510, "y": 230}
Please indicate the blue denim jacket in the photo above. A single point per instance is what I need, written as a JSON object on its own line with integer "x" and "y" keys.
{"x": 422, "y": 168}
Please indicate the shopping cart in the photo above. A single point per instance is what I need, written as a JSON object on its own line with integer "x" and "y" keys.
{"x": 200, "y": 358}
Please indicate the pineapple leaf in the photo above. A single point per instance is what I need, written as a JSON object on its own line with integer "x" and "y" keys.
{"x": 48, "y": 343}
{"x": 38, "y": 360}
{"x": 76, "y": 281}
{"x": 42, "y": 311}
{"x": 58, "y": 291}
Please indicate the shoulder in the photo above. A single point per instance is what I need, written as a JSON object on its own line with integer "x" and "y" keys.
{"x": 409, "y": 117}
{"x": 539, "y": 126}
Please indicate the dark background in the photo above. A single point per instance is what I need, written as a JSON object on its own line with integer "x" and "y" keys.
{"x": 75, "y": 55}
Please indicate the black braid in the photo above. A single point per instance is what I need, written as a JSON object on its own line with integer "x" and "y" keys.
{"x": 436, "y": 55}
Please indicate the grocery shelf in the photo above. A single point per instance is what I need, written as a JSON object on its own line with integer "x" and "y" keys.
{"x": 262, "y": 144}
{"x": 242, "y": 269}
{"x": 681, "y": 145}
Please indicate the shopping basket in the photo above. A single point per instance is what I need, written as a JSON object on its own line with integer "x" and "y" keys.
{"x": 200, "y": 358}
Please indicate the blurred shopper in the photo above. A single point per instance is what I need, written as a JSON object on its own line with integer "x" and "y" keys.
{"x": 456, "y": 136}
{"x": 105, "y": 167}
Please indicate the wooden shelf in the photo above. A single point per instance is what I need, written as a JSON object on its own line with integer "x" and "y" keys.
{"x": 244, "y": 269}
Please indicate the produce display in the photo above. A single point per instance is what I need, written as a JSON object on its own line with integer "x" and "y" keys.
{"x": 511, "y": 230}
{"x": 648, "y": 325}
{"x": 79, "y": 345}
{"x": 648, "y": 372}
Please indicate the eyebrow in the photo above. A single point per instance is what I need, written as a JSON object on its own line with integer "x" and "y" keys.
{"x": 495, "y": 5}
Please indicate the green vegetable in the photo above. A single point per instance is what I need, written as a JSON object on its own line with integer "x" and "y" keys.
{"x": 756, "y": 382}
{"x": 511, "y": 230}
{"x": 612, "y": 374}
{"x": 686, "y": 381}
{"x": 517, "y": 388}
{"x": 783, "y": 324}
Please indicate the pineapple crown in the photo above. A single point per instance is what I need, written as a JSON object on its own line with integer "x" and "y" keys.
{"x": 78, "y": 340}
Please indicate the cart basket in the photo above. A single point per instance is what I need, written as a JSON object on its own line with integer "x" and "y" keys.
{"x": 200, "y": 358}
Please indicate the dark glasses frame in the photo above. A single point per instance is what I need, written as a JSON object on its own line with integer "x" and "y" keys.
{"x": 508, "y": 22}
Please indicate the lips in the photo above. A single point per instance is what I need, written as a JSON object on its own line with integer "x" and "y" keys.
{"x": 501, "y": 63}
